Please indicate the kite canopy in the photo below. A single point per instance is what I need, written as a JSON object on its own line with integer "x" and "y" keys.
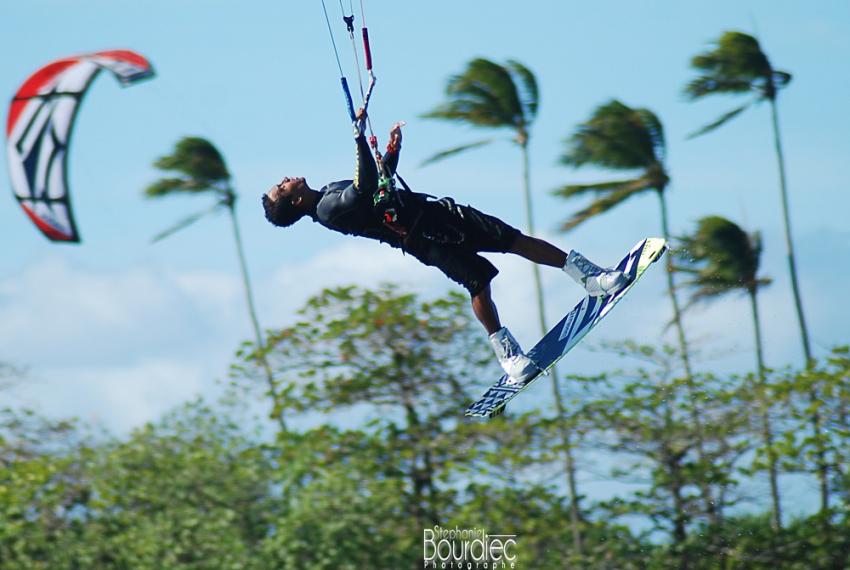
{"x": 38, "y": 131}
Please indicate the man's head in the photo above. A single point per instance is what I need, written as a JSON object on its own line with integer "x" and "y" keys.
{"x": 284, "y": 203}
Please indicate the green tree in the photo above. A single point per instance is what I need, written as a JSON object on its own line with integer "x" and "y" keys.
{"x": 192, "y": 490}
{"x": 494, "y": 96}
{"x": 199, "y": 168}
{"x": 347, "y": 509}
{"x": 643, "y": 417}
{"x": 835, "y": 372}
{"x": 536, "y": 514}
{"x": 736, "y": 65}
{"x": 721, "y": 258}
{"x": 41, "y": 481}
{"x": 414, "y": 363}
{"x": 189, "y": 491}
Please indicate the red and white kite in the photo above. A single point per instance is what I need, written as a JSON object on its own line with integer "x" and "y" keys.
{"x": 39, "y": 127}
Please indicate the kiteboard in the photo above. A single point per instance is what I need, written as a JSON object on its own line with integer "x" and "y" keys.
{"x": 570, "y": 330}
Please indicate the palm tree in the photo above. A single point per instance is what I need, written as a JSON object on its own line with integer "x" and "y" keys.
{"x": 721, "y": 258}
{"x": 618, "y": 137}
{"x": 506, "y": 97}
{"x": 737, "y": 65}
{"x": 495, "y": 96}
{"x": 199, "y": 168}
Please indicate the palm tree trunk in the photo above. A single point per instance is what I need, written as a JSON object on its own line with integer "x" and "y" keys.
{"x": 764, "y": 412}
{"x": 710, "y": 504}
{"x": 789, "y": 243}
{"x": 823, "y": 468}
{"x": 671, "y": 289}
{"x": 252, "y": 313}
{"x": 563, "y": 425}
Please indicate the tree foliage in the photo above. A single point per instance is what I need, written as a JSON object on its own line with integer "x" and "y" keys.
{"x": 621, "y": 138}
{"x": 378, "y": 380}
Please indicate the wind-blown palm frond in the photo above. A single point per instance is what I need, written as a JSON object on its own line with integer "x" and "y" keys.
{"x": 487, "y": 94}
{"x": 201, "y": 169}
{"x": 453, "y": 151}
{"x": 722, "y": 120}
{"x": 185, "y": 222}
{"x": 703, "y": 293}
{"x": 705, "y": 85}
{"x": 614, "y": 197}
{"x": 618, "y": 137}
{"x": 200, "y": 163}
{"x": 165, "y": 186}
{"x": 571, "y": 190}
{"x": 483, "y": 95}
{"x": 655, "y": 130}
{"x": 736, "y": 64}
{"x": 781, "y": 79}
{"x": 528, "y": 90}
{"x": 720, "y": 257}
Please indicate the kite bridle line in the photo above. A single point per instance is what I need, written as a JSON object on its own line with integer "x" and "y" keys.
{"x": 342, "y": 78}
{"x": 367, "y": 95}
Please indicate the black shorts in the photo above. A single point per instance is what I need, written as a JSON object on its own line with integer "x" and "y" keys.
{"x": 449, "y": 237}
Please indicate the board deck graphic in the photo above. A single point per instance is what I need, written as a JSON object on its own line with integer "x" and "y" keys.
{"x": 571, "y": 329}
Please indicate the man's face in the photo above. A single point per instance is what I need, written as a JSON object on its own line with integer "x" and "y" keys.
{"x": 292, "y": 189}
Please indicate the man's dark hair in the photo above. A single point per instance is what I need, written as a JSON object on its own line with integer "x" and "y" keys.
{"x": 281, "y": 212}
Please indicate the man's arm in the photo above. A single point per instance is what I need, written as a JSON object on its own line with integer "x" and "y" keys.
{"x": 393, "y": 149}
{"x": 366, "y": 171}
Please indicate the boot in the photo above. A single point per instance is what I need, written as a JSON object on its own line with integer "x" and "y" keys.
{"x": 597, "y": 281}
{"x": 514, "y": 362}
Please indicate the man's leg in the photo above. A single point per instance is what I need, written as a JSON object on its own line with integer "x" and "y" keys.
{"x": 508, "y": 351}
{"x": 539, "y": 251}
{"x": 485, "y": 310}
{"x": 597, "y": 281}
{"x": 469, "y": 269}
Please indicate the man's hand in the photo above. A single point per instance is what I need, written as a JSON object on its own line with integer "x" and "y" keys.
{"x": 395, "y": 136}
{"x": 360, "y": 122}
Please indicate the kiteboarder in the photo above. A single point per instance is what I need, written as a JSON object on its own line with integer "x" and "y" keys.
{"x": 437, "y": 232}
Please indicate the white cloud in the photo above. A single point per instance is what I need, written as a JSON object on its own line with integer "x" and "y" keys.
{"x": 118, "y": 347}
{"x": 116, "y": 397}
{"x": 54, "y": 312}
{"x": 354, "y": 262}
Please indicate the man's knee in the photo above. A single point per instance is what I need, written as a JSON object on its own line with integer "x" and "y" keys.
{"x": 480, "y": 294}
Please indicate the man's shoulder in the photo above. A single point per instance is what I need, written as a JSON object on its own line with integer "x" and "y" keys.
{"x": 338, "y": 202}
{"x": 337, "y": 186}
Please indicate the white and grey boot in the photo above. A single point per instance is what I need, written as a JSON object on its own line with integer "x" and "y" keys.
{"x": 514, "y": 362}
{"x": 597, "y": 281}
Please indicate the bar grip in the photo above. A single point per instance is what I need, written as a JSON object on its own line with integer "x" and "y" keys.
{"x": 348, "y": 100}
{"x": 367, "y": 49}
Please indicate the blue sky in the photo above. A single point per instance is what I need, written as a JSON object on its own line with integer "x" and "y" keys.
{"x": 117, "y": 330}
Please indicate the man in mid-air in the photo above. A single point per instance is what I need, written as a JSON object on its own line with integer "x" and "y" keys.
{"x": 437, "y": 232}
